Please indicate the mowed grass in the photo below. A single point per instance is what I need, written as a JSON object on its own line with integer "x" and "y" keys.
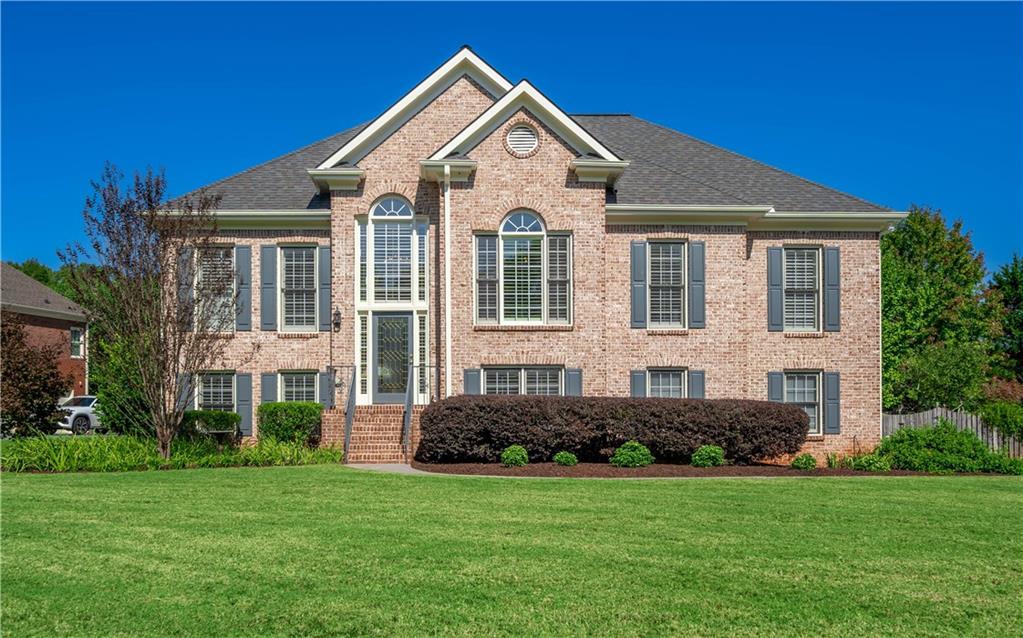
{"x": 328, "y": 550}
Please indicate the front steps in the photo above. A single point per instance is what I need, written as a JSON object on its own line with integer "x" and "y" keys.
{"x": 376, "y": 433}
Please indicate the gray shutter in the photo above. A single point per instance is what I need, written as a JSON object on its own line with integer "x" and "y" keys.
{"x": 775, "y": 293}
{"x": 573, "y": 382}
{"x": 243, "y": 265}
{"x": 832, "y": 404}
{"x": 776, "y": 387}
{"x": 324, "y": 296}
{"x": 832, "y": 289}
{"x": 637, "y": 383}
{"x": 327, "y": 389}
{"x": 638, "y": 283}
{"x": 696, "y": 384}
{"x": 185, "y": 398}
{"x": 268, "y": 388}
{"x": 471, "y": 381}
{"x": 243, "y": 389}
{"x": 268, "y": 288}
{"x": 697, "y": 284}
{"x": 186, "y": 287}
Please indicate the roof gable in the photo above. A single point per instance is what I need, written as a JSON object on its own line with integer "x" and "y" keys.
{"x": 465, "y": 62}
{"x": 23, "y": 294}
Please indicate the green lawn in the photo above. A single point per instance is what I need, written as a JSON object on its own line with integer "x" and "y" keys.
{"x": 326, "y": 550}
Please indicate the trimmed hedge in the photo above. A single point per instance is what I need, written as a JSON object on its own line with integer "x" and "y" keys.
{"x": 210, "y": 420}
{"x": 289, "y": 420}
{"x": 473, "y": 428}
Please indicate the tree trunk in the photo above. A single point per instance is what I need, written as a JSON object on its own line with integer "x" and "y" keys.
{"x": 163, "y": 443}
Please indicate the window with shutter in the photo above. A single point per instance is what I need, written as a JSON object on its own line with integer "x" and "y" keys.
{"x": 802, "y": 289}
{"x": 546, "y": 381}
{"x": 216, "y": 391}
{"x": 298, "y": 288}
{"x": 666, "y": 383}
{"x": 215, "y": 287}
{"x": 298, "y": 386}
{"x": 802, "y": 388}
{"x": 666, "y": 283}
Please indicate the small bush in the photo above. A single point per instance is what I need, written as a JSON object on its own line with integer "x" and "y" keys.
{"x": 805, "y": 462}
{"x": 871, "y": 463}
{"x": 939, "y": 449}
{"x": 1004, "y": 416}
{"x": 289, "y": 421}
{"x": 565, "y": 458}
{"x": 514, "y": 456}
{"x": 833, "y": 460}
{"x": 1003, "y": 464}
{"x": 708, "y": 456}
{"x": 198, "y": 422}
{"x": 632, "y": 454}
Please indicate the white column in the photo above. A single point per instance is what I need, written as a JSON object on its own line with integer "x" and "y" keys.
{"x": 447, "y": 280}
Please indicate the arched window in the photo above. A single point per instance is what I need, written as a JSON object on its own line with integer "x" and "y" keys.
{"x": 523, "y": 273}
{"x": 385, "y": 242}
{"x": 392, "y": 207}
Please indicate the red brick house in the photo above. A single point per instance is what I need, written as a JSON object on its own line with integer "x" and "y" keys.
{"x": 49, "y": 318}
{"x": 477, "y": 235}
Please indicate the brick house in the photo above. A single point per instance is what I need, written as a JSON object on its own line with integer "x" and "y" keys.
{"x": 49, "y": 318}
{"x": 488, "y": 242}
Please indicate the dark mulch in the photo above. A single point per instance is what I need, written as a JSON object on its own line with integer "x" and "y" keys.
{"x": 605, "y": 470}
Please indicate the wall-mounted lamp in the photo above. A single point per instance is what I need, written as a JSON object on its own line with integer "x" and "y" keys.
{"x": 337, "y": 320}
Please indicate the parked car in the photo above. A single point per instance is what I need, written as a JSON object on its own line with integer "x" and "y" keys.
{"x": 80, "y": 415}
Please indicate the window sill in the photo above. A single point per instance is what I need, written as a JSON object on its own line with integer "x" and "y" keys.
{"x": 815, "y": 438}
{"x": 654, "y": 332}
{"x": 539, "y": 327}
{"x": 806, "y": 335}
{"x": 297, "y": 335}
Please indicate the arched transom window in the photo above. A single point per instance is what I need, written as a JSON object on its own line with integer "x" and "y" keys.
{"x": 392, "y": 246}
{"x": 523, "y": 273}
{"x": 392, "y": 207}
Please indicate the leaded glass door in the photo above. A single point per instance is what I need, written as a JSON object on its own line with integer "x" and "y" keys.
{"x": 392, "y": 356}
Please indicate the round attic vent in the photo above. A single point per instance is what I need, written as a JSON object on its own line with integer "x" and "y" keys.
{"x": 522, "y": 139}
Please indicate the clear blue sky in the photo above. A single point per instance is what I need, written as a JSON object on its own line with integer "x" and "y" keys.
{"x": 895, "y": 103}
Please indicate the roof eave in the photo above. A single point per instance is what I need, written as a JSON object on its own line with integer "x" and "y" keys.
{"x": 459, "y": 170}
{"x": 754, "y": 217}
{"x": 336, "y": 179}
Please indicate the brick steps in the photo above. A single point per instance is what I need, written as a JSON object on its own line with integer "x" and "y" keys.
{"x": 376, "y": 434}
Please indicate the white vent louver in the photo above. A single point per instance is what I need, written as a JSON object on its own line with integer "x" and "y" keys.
{"x": 522, "y": 139}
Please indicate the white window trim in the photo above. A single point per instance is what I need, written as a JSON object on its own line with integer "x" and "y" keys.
{"x": 280, "y": 383}
{"x": 685, "y": 379}
{"x": 197, "y": 384}
{"x": 316, "y": 288}
{"x": 81, "y": 342}
{"x": 684, "y": 325}
{"x": 371, "y": 302}
{"x": 819, "y": 314}
{"x": 820, "y": 395}
{"x": 522, "y": 378}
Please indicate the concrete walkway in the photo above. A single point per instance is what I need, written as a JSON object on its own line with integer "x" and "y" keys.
{"x": 391, "y": 468}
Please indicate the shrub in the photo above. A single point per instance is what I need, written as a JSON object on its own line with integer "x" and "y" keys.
{"x": 708, "y": 456}
{"x": 805, "y": 462}
{"x": 477, "y": 428}
{"x": 871, "y": 463}
{"x": 120, "y": 400}
{"x": 833, "y": 460}
{"x": 198, "y": 422}
{"x": 1004, "y": 416}
{"x": 940, "y": 449}
{"x": 289, "y": 421}
{"x": 30, "y": 382}
{"x": 632, "y": 454}
{"x": 514, "y": 456}
{"x": 565, "y": 458}
{"x": 1002, "y": 464}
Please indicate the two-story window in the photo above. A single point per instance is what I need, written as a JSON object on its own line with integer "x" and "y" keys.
{"x": 298, "y": 386}
{"x": 215, "y": 286}
{"x": 531, "y": 380}
{"x": 298, "y": 288}
{"x": 802, "y": 388}
{"x": 216, "y": 391}
{"x": 666, "y": 284}
{"x": 802, "y": 289}
{"x": 77, "y": 343}
{"x": 523, "y": 273}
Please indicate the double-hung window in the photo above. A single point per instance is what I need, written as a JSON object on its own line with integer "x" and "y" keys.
{"x": 215, "y": 287}
{"x": 666, "y": 383}
{"x": 523, "y": 274}
{"x": 803, "y": 389}
{"x": 216, "y": 391}
{"x": 298, "y": 386}
{"x": 533, "y": 380}
{"x": 802, "y": 289}
{"x": 666, "y": 292}
{"x": 77, "y": 343}
{"x": 298, "y": 274}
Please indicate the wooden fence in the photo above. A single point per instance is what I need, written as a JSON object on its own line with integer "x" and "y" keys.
{"x": 962, "y": 420}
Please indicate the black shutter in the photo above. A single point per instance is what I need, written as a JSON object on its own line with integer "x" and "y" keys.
{"x": 268, "y": 388}
{"x": 243, "y": 402}
{"x": 186, "y": 288}
{"x": 832, "y": 404}
{"x": 775, "y": 292}
{"x": 324, "y": 296}
{"x": 697, "y": 285}
{"x": 638, "y": 277}
{"x": 832, "y": 289}
{"x": 268, "y": 288}
{"x": 471, "y": 381}
{"x": 243, "y": 266}
{"x": 573, "y": 382}
{"x": 776, "y": 387}
{"x": 696, "y": 384}
{"x": 637, "y": 383}
{"x": 185, "y": 396}
{"x": 327, "y": 389}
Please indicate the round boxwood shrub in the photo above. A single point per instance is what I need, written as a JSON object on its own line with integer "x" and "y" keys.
{"x": 871, "y": 463}
{"x": 565, "y": 458}
{"x": 289, "y": 421}
{"x": 632, "y": 454}
{"x": 708, "y": 456}
{"x": 475, "y": 428}
{"x": 514, "y": 456}
{"x": 804, "y": 462}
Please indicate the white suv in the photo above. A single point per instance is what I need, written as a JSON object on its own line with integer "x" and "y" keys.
{"x": 80, "y": 415}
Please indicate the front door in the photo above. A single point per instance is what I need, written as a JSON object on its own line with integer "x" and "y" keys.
{"x": 392, "y": 341}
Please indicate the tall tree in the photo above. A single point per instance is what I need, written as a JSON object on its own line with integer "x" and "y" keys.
{"x": 1008, "y": 282}
{"x": 141, "y": 289}
{"x": 933, "y": 296}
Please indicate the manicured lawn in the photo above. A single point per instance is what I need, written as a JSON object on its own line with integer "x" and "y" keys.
{"x": 326, "y": 550}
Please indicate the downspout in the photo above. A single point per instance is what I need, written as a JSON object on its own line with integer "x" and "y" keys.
{"x": 447, "y": 280}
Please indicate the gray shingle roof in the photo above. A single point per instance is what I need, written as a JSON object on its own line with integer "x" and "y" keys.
{"x": 667, "y": 167}
{"x": 17, "y": 288}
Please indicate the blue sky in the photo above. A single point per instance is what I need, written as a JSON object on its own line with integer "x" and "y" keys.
{"x": 896, "y": 103}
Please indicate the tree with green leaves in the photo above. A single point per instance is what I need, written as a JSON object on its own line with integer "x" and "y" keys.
{"x": 1008, "y": 282}
{"x": 53, "y": 279}
{"x": 935, "y": 309}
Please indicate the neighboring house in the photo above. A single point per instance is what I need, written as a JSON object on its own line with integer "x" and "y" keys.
{"x": 49, "y": 319}
{"x": 479, "y": 234}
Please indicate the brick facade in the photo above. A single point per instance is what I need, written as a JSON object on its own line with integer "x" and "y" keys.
{"x": 48, "y": 331}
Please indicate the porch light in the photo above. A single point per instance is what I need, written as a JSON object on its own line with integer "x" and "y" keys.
{"x": 337, "y": 320}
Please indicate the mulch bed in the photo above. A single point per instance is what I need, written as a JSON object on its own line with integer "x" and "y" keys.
{"x": 605, "y": 470}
